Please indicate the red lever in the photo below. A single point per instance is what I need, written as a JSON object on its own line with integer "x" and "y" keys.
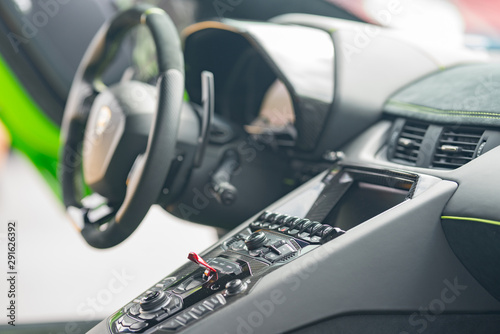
{"x": 210, "y": 271}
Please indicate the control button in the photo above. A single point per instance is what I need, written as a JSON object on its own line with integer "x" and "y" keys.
{"x": 218, "y": 300}
{"x": 271, "y": 217}
{"x": 255, "y": 225}
{"x": 272, "y": 257}
{"x": 290, "y": 221}
{"x": 193, "y": 284}
{"x": 126, "y": 321}
{"x": 323, "y": 230}
{"x": 265, "y": 224}
{"x": 138, "y": 326}
{"x": 315, "y": 239}
{"x": 188, "y": 284}
{"x": 150, "y": 315}
{"x": 199, "y": 310}
{"x": 280, "y": 219}
{"x": 263, "y": 216}
{"x": 256, "y": 240}
{"x": 235, "y": 286}
{"x": 335, "y": 232}
{"x": 284, "y": 250}
{"x": 171, "y": 325}
{"x": 283, "y": 229}
{"x": 304, "y": 236}
{"x": 279, "y": 243}
{"x": 174, "y": 305}
{"x": 153, "y": 300}
{"x": 273, "y": 226}
{"x": 119, "y": 328}
{"x": 127, "y": 307}
{"x": 150, "y": 297}
{"x": 208, "y": 304}
{"x": 166, "y": 282}
{"x": 292, "y": 224}
{"x": 215, "y": 302}
{"x": 313, "y": 227}
{"x": 256, "y": 252}
{"x": 185, "y": 318}
{"x": 237, "y": 245}
{"x": 138, "y": 299}
{"x": 134, "y": 310}
{"x": 274, "y": 249}
{"x": 161, "y": 316}
{"x": 225, "y": 266}
{"x": 303, "y": 224}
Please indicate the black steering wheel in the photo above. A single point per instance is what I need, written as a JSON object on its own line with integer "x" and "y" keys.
{"x": 93, "y": 129}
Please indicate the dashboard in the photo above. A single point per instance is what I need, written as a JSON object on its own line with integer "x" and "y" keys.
{"x": 397, "y": 234}
{"x": 276, "y": 117}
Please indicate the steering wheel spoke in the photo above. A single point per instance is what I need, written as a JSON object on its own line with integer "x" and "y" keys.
{"x": 128, "y": 131}
{"x": 100, "y": 215}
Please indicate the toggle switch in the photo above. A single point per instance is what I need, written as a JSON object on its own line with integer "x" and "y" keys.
{"x": 210, "y": 272}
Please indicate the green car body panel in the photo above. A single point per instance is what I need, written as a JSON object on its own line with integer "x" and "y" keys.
{"x": 31, "y": 132}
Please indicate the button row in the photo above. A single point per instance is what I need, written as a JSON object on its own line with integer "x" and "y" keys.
{"x": 225, "y": 266}
{"x": 193, "y": 313}
{"x": 305, "y": 229}
{"x": 166, "y": 282}
{"x": 274, "y": 249}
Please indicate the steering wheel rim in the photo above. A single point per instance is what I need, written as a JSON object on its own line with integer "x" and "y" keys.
{"x": 147, "y": 178}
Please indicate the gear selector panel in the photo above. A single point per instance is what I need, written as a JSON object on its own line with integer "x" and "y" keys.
{"x": 207, "y": 283}
{"x": 229, "y": 270}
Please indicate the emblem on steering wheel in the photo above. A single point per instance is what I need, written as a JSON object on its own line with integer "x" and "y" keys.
{"x": 103, "y": 120}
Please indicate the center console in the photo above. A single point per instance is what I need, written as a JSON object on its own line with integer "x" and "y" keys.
{"x": 340, "y": 200}
{"x": 354, "y": 248}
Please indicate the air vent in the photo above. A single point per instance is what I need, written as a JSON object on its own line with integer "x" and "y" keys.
{"x": 456, "y": 147}
{"x": 409, "y": 141}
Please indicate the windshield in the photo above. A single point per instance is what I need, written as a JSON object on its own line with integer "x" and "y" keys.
{"x": 470, "y": 22}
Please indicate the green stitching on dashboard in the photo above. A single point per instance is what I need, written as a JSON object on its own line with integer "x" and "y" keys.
{"x": 418, "y": 108}
{"x": 486, "y": 221}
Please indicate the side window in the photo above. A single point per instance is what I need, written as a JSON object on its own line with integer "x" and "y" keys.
{"x": 43, "y": 41}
